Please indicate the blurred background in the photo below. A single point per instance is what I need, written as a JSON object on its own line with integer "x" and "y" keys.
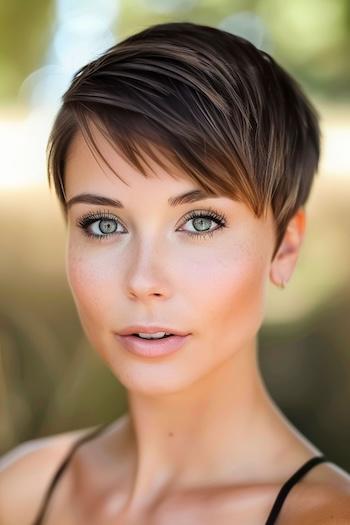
{"x": 51, "y": 380}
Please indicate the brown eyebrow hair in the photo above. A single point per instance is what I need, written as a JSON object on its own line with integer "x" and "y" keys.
{"x": 184, "y": 198}
{"x": 211, "y": 103}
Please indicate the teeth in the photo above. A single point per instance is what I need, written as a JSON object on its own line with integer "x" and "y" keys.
{"x": 156, "y": 335}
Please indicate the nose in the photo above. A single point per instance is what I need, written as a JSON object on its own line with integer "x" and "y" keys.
{"x": 145, "y": 275}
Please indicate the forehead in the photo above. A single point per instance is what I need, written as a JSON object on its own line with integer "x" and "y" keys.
{"x": 87, "y": 167}
{"x": 86, "y": 172}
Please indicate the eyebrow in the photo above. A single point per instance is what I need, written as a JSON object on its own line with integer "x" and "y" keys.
{"x": 184, "y": 198}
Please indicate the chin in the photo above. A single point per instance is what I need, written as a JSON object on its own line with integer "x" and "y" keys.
{"x": 155, "y": 376}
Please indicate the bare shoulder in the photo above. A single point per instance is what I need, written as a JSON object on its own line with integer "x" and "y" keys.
{"x": 323, "y": 500}
{"x": 25, "y": 472}
{"x": 333, "y": 507}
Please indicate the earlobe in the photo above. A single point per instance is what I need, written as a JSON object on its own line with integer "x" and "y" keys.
{"x": 284, "y": 262}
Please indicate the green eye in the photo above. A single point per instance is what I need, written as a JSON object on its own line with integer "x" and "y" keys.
{"x": 103, "y": 218}
{"x": 198, "y": 217}
{"x": 108, "y": 223}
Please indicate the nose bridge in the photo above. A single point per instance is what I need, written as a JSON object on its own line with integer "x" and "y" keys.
{"x": 145, "y": 264}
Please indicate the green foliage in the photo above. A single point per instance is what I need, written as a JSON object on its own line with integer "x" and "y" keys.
{"x": 311, "y": 38}
{"x": 26, "y": 27}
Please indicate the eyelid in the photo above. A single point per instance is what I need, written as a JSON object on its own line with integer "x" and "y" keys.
{"x": 108, "y": 214}
{"x": 209, "y": 211}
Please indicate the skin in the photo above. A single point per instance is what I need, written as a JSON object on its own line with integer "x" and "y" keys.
{"x": 200, "y": 421}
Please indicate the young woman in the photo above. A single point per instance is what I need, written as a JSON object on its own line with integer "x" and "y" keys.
{"x": 183, "y": 158}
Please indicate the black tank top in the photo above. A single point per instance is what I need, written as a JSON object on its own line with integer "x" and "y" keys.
{"x": 271, "y": 519}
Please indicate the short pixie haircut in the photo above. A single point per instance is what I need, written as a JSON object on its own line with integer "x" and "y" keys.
{"x": 210, "y": 102}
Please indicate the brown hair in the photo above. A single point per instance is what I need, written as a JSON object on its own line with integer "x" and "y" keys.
{"x": 211, "y": 102}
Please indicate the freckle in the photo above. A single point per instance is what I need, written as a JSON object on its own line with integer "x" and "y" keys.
{"x": 170, "y": 434}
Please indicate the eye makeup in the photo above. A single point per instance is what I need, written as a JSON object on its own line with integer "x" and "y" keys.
{"x": 105, "y": 216}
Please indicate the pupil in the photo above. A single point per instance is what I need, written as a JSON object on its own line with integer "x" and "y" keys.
{"x": 106, "y": 226}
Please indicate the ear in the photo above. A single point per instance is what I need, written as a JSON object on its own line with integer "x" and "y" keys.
{"x": 284, "y": 262}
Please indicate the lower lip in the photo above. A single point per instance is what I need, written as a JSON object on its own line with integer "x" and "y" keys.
{"x": 152, "y": 347}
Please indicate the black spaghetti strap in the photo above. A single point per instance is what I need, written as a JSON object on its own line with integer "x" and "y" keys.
{"x": 41, "y": 513}
{"x": 286, "y": 487}
{"x": 281, "y": 496}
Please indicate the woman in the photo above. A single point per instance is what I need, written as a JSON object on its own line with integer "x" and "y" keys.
{"x": 182, "y": 158}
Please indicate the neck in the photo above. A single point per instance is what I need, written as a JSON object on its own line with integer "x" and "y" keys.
{"x": 221, "y": 429}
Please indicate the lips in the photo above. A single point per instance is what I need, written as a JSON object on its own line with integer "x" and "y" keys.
{"x": 152, "y": 347}
{"x": 136, "y": 329}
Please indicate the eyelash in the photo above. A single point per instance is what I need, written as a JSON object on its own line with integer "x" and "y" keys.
{"x": 86, "y": 220}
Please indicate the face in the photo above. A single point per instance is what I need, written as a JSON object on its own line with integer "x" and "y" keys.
{"x": 156, "y": 267}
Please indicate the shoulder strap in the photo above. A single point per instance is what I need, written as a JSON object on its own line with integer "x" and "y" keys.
{"x": 286, "y": 487}
{"x": 59, "y": 471}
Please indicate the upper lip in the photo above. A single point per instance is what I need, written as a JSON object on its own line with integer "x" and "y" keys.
{"x": 150, "y": 330}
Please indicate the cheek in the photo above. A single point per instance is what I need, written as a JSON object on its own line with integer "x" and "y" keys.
{"x": 230, "y": 290}
{"x": 90, "y": 280}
